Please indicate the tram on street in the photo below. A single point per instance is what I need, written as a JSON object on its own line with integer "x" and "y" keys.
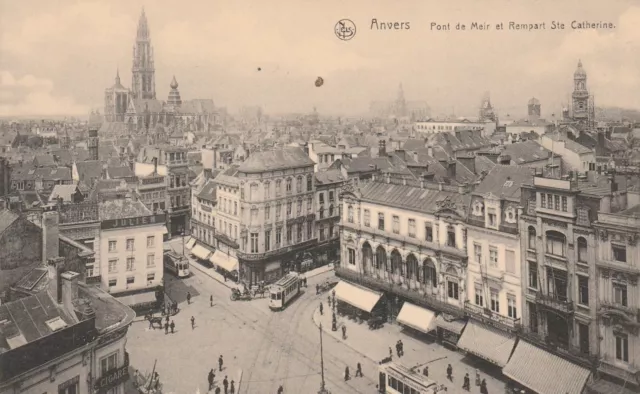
{"x": 176, "y": 264}
{"x": 283, "y": 291}
{"x": 395, "y": 378}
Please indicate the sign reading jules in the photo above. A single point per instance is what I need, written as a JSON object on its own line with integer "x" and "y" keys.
{"x": 132, "y": 222}
{"x": 112, "y": 379}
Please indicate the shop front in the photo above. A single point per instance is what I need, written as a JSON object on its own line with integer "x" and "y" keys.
{"x": 449, "y": 329}
{"x": 224, "y": 263}
{"x": 202, "y": 252}
{"x": 543, "y": 372}
{"x": 356, "y": 301}
{"x": 417, "y": 318}
{"x": 487, "y": 343}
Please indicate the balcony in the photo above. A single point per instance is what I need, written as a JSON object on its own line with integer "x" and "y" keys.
{"x": 488, "y": 316}
{"x": 93, "y": 280}
{"x": 424, "y": 300}
{"x": 555, "y": 302}
{"x": 291, "y": 248}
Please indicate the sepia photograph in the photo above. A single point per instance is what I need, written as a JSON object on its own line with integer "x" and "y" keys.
{"x": 319, "y": 197}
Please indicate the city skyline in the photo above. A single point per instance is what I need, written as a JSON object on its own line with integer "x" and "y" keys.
{"x": 57, "y": 59}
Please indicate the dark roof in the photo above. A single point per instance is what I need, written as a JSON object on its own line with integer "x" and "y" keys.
{"x": 45, "y": 160}
{"x": 109, "y": 311}
{"x": 208, "y": 191}
{"x": 119, "y": 172}
{"x": 271, "y": 160}
{"x": 329, "y": 176}
{"x": 7, "y": 218}
{"x": 411, "y": 197}
{"x": 526, "y": 152}
{"x": 87, "y": 170}
{"x": 26, "y": 320}
{"x": 505, "y": 181}
{"x": 121, "y": 209}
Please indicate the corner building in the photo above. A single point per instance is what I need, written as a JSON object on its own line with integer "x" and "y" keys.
{"x": 276, "y": 215}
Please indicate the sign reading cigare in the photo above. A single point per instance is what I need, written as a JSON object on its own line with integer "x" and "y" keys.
{"x": 132, "y": 222}
{"x": 112, "y": 379}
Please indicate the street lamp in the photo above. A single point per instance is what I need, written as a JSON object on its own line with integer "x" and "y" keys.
{"x": 322, "y": 390}
{"x": 182, "y": 234}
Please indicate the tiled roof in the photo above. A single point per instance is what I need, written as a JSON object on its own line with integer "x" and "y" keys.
{"x": 208, "y": 191}
{"x": 505, "y": 181}
{"x": 121, "y": 209}
{"x": 119, "y": 172}
{"x": 410, "y": 197}
{"x": 271, "y": 160}
{"x": 88, "y": 170}
{"x": 228, "y": 177}
{"x": 44, "y": 160}
{"x": 7, "y": 218}
{"x": 329, "y": 176}
{"x": 526, "y": 152}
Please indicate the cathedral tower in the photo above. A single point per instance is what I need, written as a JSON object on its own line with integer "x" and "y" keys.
{"x": 143, "y": 73}
{"x": 401, "y": 103}
{"x": 580, "y": 95}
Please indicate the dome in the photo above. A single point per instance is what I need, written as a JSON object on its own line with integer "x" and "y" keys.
{"x": 534, "y": 101}
{"x": 580, "y": 71}
{"x": 174, "y": 83}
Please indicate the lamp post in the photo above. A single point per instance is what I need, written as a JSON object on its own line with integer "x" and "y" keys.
{"x": 322, "y": 390}
{"x": 182, "y": 234}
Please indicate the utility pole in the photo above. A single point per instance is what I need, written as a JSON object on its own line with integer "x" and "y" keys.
{"x": 323, "y": 390}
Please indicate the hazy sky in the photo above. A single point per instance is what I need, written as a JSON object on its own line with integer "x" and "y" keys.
{"x": 58, "y": 56}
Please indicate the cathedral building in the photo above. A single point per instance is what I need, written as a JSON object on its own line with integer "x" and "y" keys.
{"x": 138, "y": 110}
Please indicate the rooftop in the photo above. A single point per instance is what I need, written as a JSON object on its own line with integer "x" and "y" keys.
{"x": 122, "y": 209}
{"x": 505, "y": 181}
{"x": 272, "y": 160}
{"x": 110, "y": 313}
{"x": 329, "y": 176}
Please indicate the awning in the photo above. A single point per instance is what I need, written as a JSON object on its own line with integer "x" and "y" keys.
{"x": 224, "y": 261}
{"x": 487, "y": 343}
{"x": 416, "y": 317}
{"x": 544, "y": 372}
{"x": 164, "y": 230}
{"x": 190, "y": 243}
{"x": 455, "y": 326}
{"x": 359, "y": 297}
{"x": 137, "y": 299}
{"x": 201, "y": 252}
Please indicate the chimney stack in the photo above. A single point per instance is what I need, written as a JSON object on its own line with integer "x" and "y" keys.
{"x": 382, "y": 148}
{"x": 430, "y": 150}
{"x": 69, "y": 287}
{"x": 50, "y": 236}
{"x": 55, "y": 267}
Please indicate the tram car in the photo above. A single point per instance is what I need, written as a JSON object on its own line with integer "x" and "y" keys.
{"x": 394, "y": 378}
{"x": 176, "y": 264}
{"x": 284, "y": 290}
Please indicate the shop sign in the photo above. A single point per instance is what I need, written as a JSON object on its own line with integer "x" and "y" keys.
{"x": 132, "y": 222}
{"x": 112, "y": 379}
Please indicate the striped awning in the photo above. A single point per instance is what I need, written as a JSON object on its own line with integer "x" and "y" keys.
{"x": 224, "y": 261}
{"x": 487, "y": 343}
{"x": 201, "y": 251}
{"x": 417, "y": 318}
{"x": 544, "y": 372}
{"x": 190, "y": 243}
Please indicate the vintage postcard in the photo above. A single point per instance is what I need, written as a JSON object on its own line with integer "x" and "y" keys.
{"x": 299, "y": 197}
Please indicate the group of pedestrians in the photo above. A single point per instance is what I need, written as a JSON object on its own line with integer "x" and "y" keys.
{"x": 466, "y": 383}
{"x": 358, "y": 372}
{"x": 168, "y": 325}
{"x": 228, "y": 387}
{"x": 399, "y": 349}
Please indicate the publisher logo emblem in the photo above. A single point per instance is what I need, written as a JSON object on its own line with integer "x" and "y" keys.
{"x": 345, "y": 29}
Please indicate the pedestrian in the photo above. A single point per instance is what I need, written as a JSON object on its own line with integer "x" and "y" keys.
{"x": 346, "y": 374}
{"x": 232, "y": 389}
{"x": 225, "y": 279}
{"x": 317, "y": 292}
{"x": 466, "y": 385}
{"x": 220, "y": 362}
{"x": 210, "y": 378}
{"x": 210, "y": 300}
{"x": 189, "y": 298}
{"x": 450, "y": 372}
{"x": 483, "y": 387}
{"x": 425, "y": 371}
{"x": 329, "y": 301}
{"x": 172, "y": 325}
{"x": 166, "y": 328}
{"x": 390, "y": 353}
{"x": 477, "y": 377}
{"x": 225, "y": 383}
{"x": 150, "y": 317}
{"x": 193, "y": 322}
{"x": 218, "y": 390}
{"x": 280, "y": 390}
{"x": 344, "y": 332}
{"x": 167, "y": 318}
{"x": 398, "y": 348}
{"x": 358, "y": 370}
{"x": 321, "y": 308}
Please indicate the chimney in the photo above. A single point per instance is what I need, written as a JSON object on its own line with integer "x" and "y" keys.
{"x": 612, "y": 182}
{"x": 50, "y": 236}
{"x": 404, "y": 180}
{"x": 382, "y": 148}
{"x": 451, "y": 169}
{"x": 422, "y": 183}
{"x": 388, "y": 178}
{"x": 69, "y": 287}
{"x": 155, "y": 166}
{"x": 440, "y": 186}
{"x": 55, "y": 267}
{"x": 504, "y": 160}
{"x": 601, "y": 144}
{"x": 462, "y": 188}
{"x": 430, "y": 150}
{"x": 415, "y": 156}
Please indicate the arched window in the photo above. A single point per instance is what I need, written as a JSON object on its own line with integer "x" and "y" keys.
{"x": 412, "y": 266}
{"x": 582, "y": 250}
{"x": 532, "y": 238}
{"x": 429, "y": 276}
{"x": 381, "y": 258}
{"x": 396, "y": 262}
{"x": 556, "y": 243}
{"x": 367, "y": 256}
